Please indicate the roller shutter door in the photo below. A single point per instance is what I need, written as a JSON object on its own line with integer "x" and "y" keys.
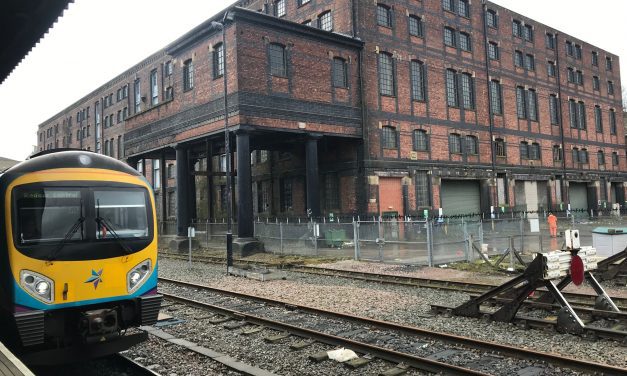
{"x": 460, "y": 197}
{"x": 578, "y": 195}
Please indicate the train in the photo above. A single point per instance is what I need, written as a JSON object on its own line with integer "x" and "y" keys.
{"x": 78, "y": 257}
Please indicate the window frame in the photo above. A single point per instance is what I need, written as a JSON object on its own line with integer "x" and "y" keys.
{"x": 154, "y": 87}
{"x": 387, "y": 74}
{"x": 384, "y": 15}
{"x": 325, "y": 21}
{"x": 471, "y": 145}
{"x": 455, "y": 143}
{"x": 418, "y": 83}
{"x": 492, "y": 19}
{"x": 450, "y": 37}
{"x": 218, "y": 60}
{"x": 277, "y": 60}
{"x": 389, "y": 137}
{"x": 415, "y": 27}
{"x": 452, "y": 88}
{"x": 493, "y": 51}
{"x": 340, "y": 72}
{"x": 188, "y": 75}
{"x": 421, "y": 140}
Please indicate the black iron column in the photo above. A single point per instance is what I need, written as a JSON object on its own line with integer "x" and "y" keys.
{"x": 313, "y": 185}
{"x": 164, "y": 188}
{"x": 182, "y": 187}
{"x": 244, "y": 189}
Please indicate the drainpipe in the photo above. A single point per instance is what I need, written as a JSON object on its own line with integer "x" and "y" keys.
{"x": 565, "y": 196}
{"x": 490, "y": 114}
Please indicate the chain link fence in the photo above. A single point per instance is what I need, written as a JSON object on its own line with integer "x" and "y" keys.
{"x": 432, "y": 241}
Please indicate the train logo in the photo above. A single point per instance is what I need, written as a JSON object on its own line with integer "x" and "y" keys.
{"x": 96, "y": 278}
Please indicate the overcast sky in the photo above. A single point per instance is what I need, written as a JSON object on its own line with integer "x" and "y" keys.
{"x": 95, "y": 40}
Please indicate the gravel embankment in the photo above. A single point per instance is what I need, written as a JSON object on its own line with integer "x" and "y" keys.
{"x": 405, "y": 305}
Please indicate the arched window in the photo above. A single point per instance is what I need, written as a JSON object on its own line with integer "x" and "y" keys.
{"x": 388, "y": 138}
{"x": 384, "y": 15}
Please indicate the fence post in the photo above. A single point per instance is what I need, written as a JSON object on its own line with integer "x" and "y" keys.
{"x": 356, "y": 239}
{"x": 429, "y": 243}
{"x": 522, "y": 234}
{"x": 466, "y": 240}
{"x": 207, "y": 232}
{"x": 281, "y": 237}
{"x": 315, "y": 239}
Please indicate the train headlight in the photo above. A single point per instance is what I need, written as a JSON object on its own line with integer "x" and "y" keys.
{"x": 136, "y": 276}
{"x": 39, "y": 286}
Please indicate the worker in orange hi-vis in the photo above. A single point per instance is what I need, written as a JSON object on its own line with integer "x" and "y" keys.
{"x": 552, "y": 220}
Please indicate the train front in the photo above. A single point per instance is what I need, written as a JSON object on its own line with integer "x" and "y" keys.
{"x": 82, "y": 252}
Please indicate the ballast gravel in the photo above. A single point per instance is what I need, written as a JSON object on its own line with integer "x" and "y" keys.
{"x": 405, "y": 305}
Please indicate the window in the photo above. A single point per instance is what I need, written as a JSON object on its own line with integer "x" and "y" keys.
{"x": 530, "y": 63}
{"x": 550, "y": 41}
{"x": 463, "y": 8}
{"x": 553, "y": 109}
{"x": 575, "y": 155}
{"x": 384, "y": 15}
{"x": 448, "y": 5}
{"x": 610, "y": 88}
{"x": 528, "y": 33}
{"x": 417, "y": 80}
{"x": 451, "y": 88}
{"x": 340, "y": 77}
{"x": 125, "y": 91}
{"x": 331, "y": 191}
{"x": 421, "y": 141}
{"x": 156, "y": 176}
{"x": 119, "y": 118}
{"x": 601, "y": 157}
{"x": 612, "y": 121}
{"x": 571, "y": 75}
{"x": 521, "y": 106}
{"x": 516, "y": 28}
{"x": 169, "y": 93}
{"x": 97, "y": 113}
{"x": 138, "y": 96}
{"x": 472, "y": 145}
{"x": 449, "y": 37}
{"x": 120, "y": 154}
{"x": 581, "y": 115}
{"x": 493, "y": 51}
{"x": 595, "y": 58}
{"x": 389, "y": 137}
{"x": 518, "y": 59}
{"x": 286, "y": 194}
{"x": 325, "y": 21}
{"x": 615, "y": 158}
{"x": 464, "y": 42}
{"x": 534, "y": 151}
{"x": 154, "y": 88}
{"x": 577, "y": 52}
{"x": 583, "y": 156}
{"x": 415, "y": 26}
{"x": 598, "y": 119}
{"x": 524, "y": 150}
{"x": 572, "y": 113}
{"x": 532, "y": 104}
{"x": 454, "y": 143}
{"x": 302, "y": 2}
{"x": 579, "y": 77}
{"x": 557, "y": 153}
{"x": 491, "y": 18}
{"x": 468, "y": 91}
{"x": 499, "y": 147}
{"x": 569, "y": 48}
{"x": 278, "y": 61}
{"x": 306, "y": 22}
{"x": 422, "y": 189}
{"x": 608, "y": 63}
{"x": 218, "y": 60}
{"x": 550, "y": 69}
{"x": 279, "y": 8}
{"x": 167, "y": 68}
{"x": 496, "y": 104}
{"x": 596, "y": 84}
{"x": 188, "y": 75}
{"x": 386, "y": 74}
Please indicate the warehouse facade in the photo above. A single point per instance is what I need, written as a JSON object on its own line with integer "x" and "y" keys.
{"x": 354, "y": 107}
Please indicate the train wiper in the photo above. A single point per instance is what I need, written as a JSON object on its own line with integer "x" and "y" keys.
{"x": 103, "y": 223}
{"x": 53, "y": 254}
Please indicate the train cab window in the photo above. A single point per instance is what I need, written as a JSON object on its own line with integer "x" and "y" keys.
{"x": 121, "y": 212}
{"x": 46, "y": 214}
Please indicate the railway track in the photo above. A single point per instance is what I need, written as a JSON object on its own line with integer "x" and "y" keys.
{"x": 359, "y": 338}
{"x": 583, "y": 302}
{"x": 134, "y": 368}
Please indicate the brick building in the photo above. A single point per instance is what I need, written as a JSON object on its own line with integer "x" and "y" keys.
{"x": 340, "y": 106}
